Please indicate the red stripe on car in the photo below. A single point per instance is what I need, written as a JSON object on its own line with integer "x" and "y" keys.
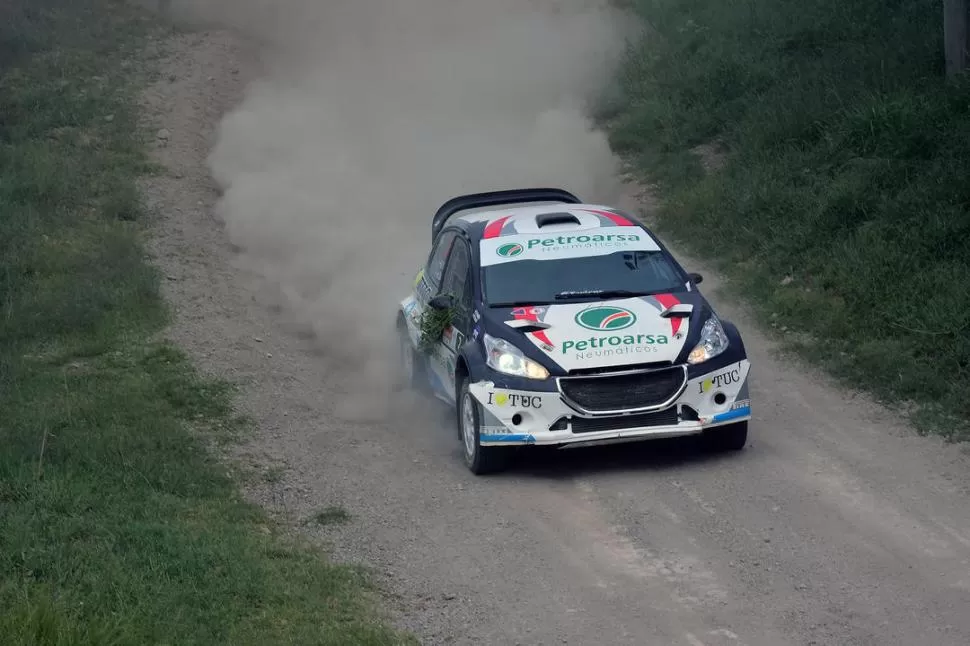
{"x": 616, "y": 218}
{"x": 494, "y": 228}
{"x": 530, "y": 314}
{"x": 667, "y": 301}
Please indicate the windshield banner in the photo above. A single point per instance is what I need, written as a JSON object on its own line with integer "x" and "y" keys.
{"x": 572, "y": 244}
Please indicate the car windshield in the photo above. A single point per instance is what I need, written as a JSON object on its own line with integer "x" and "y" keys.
{"x": 615, "y": 275}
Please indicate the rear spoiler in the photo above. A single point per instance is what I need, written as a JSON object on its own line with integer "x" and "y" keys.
{"x": 498, "y": 198}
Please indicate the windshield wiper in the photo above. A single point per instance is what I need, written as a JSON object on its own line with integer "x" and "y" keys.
{"x": 518, "y": 304}
{"x": 577, "y": 294}
{"x": 599, "y": 293}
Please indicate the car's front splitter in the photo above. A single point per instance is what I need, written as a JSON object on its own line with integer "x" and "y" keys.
{"x": 522, "y": 417}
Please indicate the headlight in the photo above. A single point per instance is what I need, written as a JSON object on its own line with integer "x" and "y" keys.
{"x": 506, "y": 358}
{"x": 713, "y": 342}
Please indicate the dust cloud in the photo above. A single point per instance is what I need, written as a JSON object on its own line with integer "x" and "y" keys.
{"x": 369, "y": 115}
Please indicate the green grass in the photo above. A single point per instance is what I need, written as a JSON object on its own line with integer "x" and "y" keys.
{"x": 117, "y": 524}
{"x": 847, "y": 170}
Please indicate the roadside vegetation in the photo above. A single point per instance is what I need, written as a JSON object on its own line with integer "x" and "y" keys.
{"x": 841, "y": 207}
{"x": 117, "y": 525}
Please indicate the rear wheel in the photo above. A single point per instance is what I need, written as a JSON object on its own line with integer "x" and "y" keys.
{"x": 731, "y": 437}
{"x": 480, "y": 459}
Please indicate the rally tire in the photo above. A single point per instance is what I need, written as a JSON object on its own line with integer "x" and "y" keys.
{"x": 480, "y": 460}
{"x": 731, "y": 437}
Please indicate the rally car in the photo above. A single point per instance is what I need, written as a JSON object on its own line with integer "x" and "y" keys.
{"x": 547, "y": 321}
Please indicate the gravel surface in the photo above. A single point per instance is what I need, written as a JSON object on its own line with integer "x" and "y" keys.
{"x": 837, "y": 525}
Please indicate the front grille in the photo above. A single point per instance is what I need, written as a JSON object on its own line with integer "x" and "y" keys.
{"x": 667, "y": 417}
{"x": 655, "y": 365}
{"x": 625, "y": 390}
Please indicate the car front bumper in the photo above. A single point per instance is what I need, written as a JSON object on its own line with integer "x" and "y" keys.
{"x": 521, "y": 417}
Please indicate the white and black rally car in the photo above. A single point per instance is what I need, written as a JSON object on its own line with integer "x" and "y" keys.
{"x": 546, "y": 321}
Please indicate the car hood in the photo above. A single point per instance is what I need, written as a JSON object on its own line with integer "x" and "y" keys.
{"x": 589, "y": 335}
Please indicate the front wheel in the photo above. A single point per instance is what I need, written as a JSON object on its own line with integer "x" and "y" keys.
{"x": 480, "y": 459}
{"x": 731, "y": 437}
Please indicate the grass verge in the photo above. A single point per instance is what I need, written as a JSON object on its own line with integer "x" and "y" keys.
{"x": 117, "y": 526}
{"x": 843, "y": 207}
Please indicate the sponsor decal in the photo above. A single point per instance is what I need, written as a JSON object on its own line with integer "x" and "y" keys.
{"x": 560, "y": 241}
{"x": 417, "y": 279}
{"x": 605, "y": 318}
{"x": 556, "y": 244}
{"x": 741, "y": 403}
{"x": 476, "y": 316}
{"x": 510, "y": 250}
{"x": 563, "y": 243}
{"x": 720, "y": 380}
{"x": 411, "y": 311}
{"x": 475, "y": 332}
{"x": 614, "y": 345}
{"x": 589, "y": 242}
{"x": 514, "y": 400}
{"x": 423, "y": 291}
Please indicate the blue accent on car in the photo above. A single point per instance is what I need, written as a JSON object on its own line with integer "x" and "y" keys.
{"x": 507, "y": 438}
{"x": 733, "y": 414}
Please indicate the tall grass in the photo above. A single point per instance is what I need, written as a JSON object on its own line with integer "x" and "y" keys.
{"x": 843, "y": 209}
{"x": 116, "y": 524}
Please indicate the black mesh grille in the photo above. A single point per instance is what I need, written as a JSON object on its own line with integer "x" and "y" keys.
{"x": 666, "y": 417}
{"x": 656, "y": 365}
{"x": 624, "y": 391}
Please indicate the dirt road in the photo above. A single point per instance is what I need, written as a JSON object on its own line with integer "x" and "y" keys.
{"x": 837, "y": 525}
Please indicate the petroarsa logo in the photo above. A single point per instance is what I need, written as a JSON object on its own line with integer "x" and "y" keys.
{"x": 510, "y": 250}
{"x": 606, "y": 318}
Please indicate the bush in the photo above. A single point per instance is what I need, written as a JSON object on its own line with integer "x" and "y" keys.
{"x": 847, "y": 170}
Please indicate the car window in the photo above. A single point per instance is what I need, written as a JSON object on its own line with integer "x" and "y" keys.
{"x": 437, "y": 259}
{"x": 468, "y": 292}
{"x": 457, "y": 282}
{"x": 540, "y": 281}
{"x": 454, "y": 281}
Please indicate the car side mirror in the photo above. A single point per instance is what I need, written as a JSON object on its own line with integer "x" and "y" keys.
{"x": 695, "y": 278}
{"x": 442, "y": 302}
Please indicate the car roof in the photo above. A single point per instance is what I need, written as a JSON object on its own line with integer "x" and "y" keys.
{"x": 551, "y": 217}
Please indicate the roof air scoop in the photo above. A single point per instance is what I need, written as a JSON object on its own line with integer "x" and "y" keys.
{"x": 498, "y": 198}
{"x": 547, "y": 219}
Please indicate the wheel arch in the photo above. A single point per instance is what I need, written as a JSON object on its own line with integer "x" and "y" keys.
{"x": 461, "y": 374}
{"x": 734, "y": 336}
